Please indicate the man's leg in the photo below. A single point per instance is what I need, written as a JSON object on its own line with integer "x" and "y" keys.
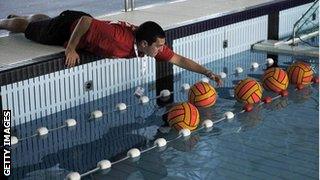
{"x": 37, "y": 17}
{"x": 18, "y": 24}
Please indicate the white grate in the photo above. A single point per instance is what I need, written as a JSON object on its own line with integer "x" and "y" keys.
{"x": 54, "y": 92}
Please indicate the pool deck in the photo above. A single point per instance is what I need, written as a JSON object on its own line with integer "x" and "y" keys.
{"x": 15, "y": 50}
{"x": 301, "y": 49}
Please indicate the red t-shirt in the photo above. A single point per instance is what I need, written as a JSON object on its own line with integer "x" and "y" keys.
{"x": 114, "y": 40}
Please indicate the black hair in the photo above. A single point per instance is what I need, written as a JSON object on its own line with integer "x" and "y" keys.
{"x": 149, "y": 31}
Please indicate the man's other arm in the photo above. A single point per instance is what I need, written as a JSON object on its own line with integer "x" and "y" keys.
{"x": 81, "y": 28}
{"x": 191, "y": 65}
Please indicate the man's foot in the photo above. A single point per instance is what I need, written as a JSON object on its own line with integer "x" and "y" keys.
{"x": 11, "y": 16}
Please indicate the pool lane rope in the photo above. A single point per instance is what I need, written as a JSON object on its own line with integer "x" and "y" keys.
{"x": 160, "y": 142}
{"x": 206, "y": 124}
{"x": 97, "y": 114}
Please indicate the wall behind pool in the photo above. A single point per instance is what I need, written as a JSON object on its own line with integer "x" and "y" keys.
{"x": 207, "y": 46}
{"x": 41, "y": 96}
{"x": 240, "y": 36}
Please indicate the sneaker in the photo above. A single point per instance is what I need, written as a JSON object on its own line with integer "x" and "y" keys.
{"x": 11, "y": 16}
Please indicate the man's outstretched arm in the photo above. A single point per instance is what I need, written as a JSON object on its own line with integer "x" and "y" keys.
{"x": 81, "y": 28}
{"x": 189, "y": 64}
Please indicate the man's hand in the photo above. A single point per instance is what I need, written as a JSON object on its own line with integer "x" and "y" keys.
{"x": 72, "y": 58}
{"x": 191, "y": 65}
{"x": 81, "y": 28}
{"x": 214, "y": 77}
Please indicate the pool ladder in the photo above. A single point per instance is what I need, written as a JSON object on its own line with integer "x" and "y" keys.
{"x": 306, "y": 27}
{"x": 126, "y": 5}
{"x": 305, "y": 20}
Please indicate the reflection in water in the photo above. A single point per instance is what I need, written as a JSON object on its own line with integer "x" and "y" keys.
{"x": 208, "y": 113}
{"x": 302, "y": 95}
{"x": 186, "y": 145}
{"x": 149, "y": 166}
{"x": 226, "y": 93}
{"x": 277, "y": 104}
{"x": 83, "y": 157}
{"x": 203, "y": 156}
{"x": 251, "y": 119}
{"x": 54, "y": 172}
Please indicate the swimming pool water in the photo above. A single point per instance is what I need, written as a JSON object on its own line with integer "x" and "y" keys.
{"x": 275, "y": 141}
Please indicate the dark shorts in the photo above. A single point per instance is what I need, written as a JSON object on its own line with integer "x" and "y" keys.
{"x": 53, "y": 31}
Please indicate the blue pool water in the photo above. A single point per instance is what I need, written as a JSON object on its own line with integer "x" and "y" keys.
{"x": 275, "y": 141}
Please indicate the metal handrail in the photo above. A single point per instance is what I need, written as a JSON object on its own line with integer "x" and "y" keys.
{"x": 126, "y": 5}
{"x": 297, "y": 26}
